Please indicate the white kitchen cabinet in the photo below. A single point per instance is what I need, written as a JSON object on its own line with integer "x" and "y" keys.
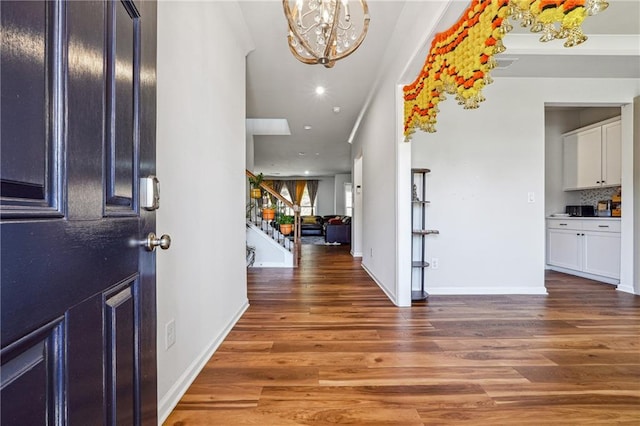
{"x": 565, "y": 249}
{"x": 601, "y": 253}
{"x": 612, "y": 154}
{"x": 592, "y": 156}
{"x": 585, "y": 247}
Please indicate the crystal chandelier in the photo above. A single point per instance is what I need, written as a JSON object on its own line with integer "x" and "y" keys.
{"x": 324, "y": 31}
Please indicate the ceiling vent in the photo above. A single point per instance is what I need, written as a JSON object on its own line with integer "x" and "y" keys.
{"x": 504, "y": 63}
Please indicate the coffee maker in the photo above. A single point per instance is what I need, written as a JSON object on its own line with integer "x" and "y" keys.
{"x": 604, "y": 208}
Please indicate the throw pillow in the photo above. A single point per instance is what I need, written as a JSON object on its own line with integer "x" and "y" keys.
{"x": 309, "y": 220}
{"x": 335, "y": 221}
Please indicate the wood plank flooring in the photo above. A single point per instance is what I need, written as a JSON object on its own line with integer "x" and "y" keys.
{"x": 322, "y": 345}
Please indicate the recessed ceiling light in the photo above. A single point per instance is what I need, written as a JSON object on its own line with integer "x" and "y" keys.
{"x": 317, "y": 153}
{"x": 306, "y": 172}
{"x": 336, "y": 109}
{"x": 307, "y": 127}
{"x": 320, "y": 90}
{"x": 301, "y": 154}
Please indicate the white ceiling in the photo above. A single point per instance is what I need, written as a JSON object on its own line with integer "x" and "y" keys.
{"x": 278, "y": 86}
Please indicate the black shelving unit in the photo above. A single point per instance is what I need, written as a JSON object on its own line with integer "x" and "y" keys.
{"x": 419, "y": 205}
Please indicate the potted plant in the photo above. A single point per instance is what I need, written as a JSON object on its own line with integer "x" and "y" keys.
{"x": 255, "y": 182}
{"x": 286, "y": 224}
{"x": 268, "y": 212}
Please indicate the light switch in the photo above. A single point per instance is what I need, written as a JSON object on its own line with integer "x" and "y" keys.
{"x": 531, "y": 197}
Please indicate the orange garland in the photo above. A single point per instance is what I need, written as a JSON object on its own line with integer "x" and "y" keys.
{"x": 460, "y": 58}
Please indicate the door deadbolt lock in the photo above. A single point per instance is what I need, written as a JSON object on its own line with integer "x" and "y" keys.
{"x": 153, "y": 241}
{"x": 150, "y": 193}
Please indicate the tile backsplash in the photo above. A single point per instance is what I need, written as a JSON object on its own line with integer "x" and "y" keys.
{"x": 592, "y": 196}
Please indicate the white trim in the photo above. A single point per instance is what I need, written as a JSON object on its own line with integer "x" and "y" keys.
{"x": 471, "y": 289}
{"x": 626, "y": 289}
{"x": 271, "y": 265}
{"x": 169, "y": 401}
{"x": 599, "y": 44}
{"x": 356, "y": 254}
{"x": 403, "y": 206}
{"x": 584, "y": 275}
{"x": 373, "y": 277}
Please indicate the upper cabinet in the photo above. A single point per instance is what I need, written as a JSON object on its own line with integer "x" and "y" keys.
{"x": 592, "y": 156}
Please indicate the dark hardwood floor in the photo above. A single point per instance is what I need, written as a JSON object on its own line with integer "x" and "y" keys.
{"x": 322, "y": 345}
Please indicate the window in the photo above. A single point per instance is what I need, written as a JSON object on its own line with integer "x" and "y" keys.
{"x": 348, "y": 199}
{"x": 305, "y": 203}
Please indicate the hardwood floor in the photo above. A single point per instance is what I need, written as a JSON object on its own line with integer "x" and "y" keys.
{"x": 323, "y": 345}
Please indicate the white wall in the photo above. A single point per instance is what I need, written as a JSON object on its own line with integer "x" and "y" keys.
{"x": 377, "y": 141}
{"x": 200, "y": 162}
{"x": 376, "y": 135}
{"x": 325, "y": 201}
{"x": 491, "y": 240}
{"x": 635, "y": 203}
{"x": 356, "y": 222}
{"x": 555, "y": 124}
{"x": 340, "y": 180}
{"x": 250, "y": 153}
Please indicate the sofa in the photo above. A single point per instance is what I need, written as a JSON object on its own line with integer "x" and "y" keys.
{"x": 337, "y": 229}
{"x": 311, "y": 225}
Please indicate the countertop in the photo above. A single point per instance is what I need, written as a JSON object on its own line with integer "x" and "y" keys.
{"x": 583, "y": 217}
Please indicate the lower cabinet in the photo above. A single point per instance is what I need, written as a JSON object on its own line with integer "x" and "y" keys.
{"x": 589, "y": 246}
{"x": 564, "y": 248}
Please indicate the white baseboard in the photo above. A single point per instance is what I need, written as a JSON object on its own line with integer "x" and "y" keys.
{"x": 373, "y": 277}
{"x": 272, "y": 265}
{"x": 627, "y": 289}
{"x": 480, "y": 290}
{"x": 585, "y": 275}
{"x": 356, "y": 254}
{"x": 169, "y": 401}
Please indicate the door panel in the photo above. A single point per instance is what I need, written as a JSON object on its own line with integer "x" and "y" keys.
{"x": 31, "y": 367}
{"x": 122, "y": 372}
{"x": 47, "y": 277}
{"x": 77, "y": 291}
{"x": 30, "y": 77}
{"x": 122, "y": 71}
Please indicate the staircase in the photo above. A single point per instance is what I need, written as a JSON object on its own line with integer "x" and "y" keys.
{"x": 268, "y": 246}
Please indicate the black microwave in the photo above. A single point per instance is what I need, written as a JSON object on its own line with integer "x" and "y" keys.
{"x": 580, "y": 211}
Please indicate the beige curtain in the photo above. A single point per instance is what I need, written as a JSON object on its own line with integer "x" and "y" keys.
{"x": 312, "y": 188}
{"x": 291, "y": 187}
{"x": 277, "y": 185}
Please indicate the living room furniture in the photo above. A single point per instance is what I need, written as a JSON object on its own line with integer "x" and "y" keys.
{"x": 338, "y": 230}
{"x": 311, "y": 225}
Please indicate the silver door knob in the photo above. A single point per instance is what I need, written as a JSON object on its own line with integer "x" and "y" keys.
{"x": 153, "y": 241}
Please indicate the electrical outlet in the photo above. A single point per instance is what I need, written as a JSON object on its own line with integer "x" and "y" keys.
{"x": 170, "y": 334}
{"x": 434, "y": 263}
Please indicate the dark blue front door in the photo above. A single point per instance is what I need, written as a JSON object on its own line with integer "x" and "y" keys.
{"x": 77, "y": 290}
